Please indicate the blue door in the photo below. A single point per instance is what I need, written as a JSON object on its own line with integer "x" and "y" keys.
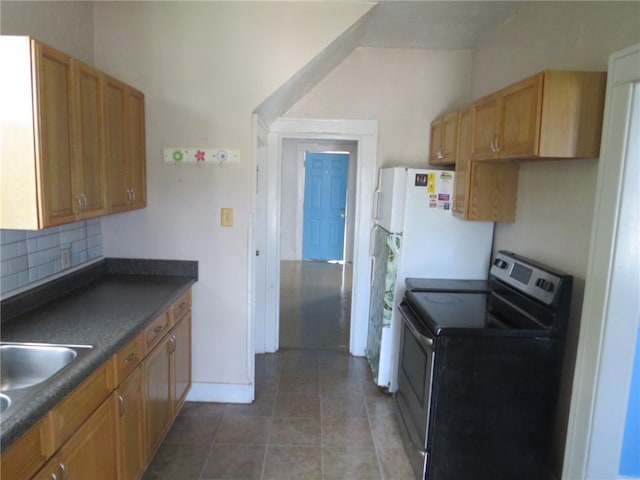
{"x": 325, "y": 196}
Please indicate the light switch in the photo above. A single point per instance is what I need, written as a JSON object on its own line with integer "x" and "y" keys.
{"x": 226, "y": 217}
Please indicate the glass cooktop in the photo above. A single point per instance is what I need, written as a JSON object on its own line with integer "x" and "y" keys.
{"x": 446, "y": 311}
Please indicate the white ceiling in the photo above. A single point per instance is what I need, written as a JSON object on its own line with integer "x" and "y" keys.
{"x": 450, "y": 24}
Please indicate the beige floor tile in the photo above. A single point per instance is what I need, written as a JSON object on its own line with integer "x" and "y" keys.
{"x": 346, "y": 432}
{"x": 350, "y": 463}
{"x": 293, "y": 463}
{"x": 295, "y": 431}
{"x": 172, "y": 461}
{"x": 239, "y": 462}
{"x": 305, "y": 386}
{"x": 262, "y": 406}
{"x": 243, "y": 429}
{"x": 395, "y": 464}
{"x": 297, "y": 406}
{"x": 386, "y": 432}
{"x": 343, "y": 406}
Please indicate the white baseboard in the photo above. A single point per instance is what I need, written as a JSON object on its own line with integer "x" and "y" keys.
{"x": 220, "y": 393}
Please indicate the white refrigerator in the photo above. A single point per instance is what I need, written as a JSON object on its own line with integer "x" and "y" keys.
{"x": 415, "y": 235}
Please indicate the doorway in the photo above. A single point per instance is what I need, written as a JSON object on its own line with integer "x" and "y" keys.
{"x": 269, "y": 238}
{"x": 316, "y": 266}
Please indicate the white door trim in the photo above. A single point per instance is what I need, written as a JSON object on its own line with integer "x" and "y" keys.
{"x": 365, "y": 133}
{"x": 611, "y": 306}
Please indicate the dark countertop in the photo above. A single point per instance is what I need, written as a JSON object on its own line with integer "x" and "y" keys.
{"x": 105, "y": 306}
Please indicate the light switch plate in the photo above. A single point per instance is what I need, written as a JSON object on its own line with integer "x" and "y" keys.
{"x": 226, "y": 217}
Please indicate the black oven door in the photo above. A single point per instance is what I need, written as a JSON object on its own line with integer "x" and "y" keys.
{"x": 413, "y": 397}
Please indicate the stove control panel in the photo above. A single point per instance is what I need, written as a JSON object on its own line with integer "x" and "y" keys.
{"x": 534, "y": 279}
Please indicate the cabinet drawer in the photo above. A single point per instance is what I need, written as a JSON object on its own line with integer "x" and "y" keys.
{"x": 128, "y": 357}
{"x": 71, "y": 413}
{"x": 29, "y": 452}
{"x": 154, "y": 332}
{"x": 181, "y": 306}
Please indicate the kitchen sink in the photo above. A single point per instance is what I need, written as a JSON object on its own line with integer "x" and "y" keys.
{"x": 5, "y": 402}
{"x": 26, "y": 365}
{"x": 27, "y": 368}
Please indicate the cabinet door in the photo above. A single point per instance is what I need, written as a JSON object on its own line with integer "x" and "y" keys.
{"x": 518, "y": 130}
{"x": 91, "y": 182}
{"x": 157, "y": 378}
{"x": 182, "y": 361}
{"x": 484, "y": 114}
{"x": 435, "y": 145}
{"x": 137, "y": 151}
{"x": 449, "y": 137}
{"x": 117, "y": 150}
{"x": 90, "y": 452}
{"x": 463, "y": 164}
{"x": 132, "y": 450}
{"x": 54, "y": 92}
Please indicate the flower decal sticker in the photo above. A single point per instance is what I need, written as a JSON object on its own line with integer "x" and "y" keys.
{"x": 177, "y": 155}
{"x": 199, "y": 156}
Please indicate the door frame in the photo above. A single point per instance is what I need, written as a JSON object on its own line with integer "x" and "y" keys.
{"x": 609, "y": 322}
{"x": 365, "y": 134}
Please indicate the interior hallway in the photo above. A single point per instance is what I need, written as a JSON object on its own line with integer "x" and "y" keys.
{"x": 317, "y": 413}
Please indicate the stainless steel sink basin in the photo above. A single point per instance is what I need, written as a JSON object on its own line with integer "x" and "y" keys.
{"x": 26, "y": 369}
{"x": 26, "y": 365}
{"x": 5, "y": 402}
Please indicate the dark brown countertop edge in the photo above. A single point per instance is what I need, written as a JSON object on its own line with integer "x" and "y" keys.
{"x": 181, "y": 274}
{"x": 21, "y": 303}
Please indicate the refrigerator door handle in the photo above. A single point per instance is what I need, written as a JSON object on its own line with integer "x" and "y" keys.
{"x": 373, "y": 271}
{"x": 376, "y": 204}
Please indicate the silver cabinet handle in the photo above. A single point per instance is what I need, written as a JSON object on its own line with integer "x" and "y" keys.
{"x": 54, "y": 476}
{"x": 497, "y": 138}
{"x": 84, "y": 201}
{"x": 129, "y": 196}
{"x": 79, "y": 200}
{"x": 133, "y": 196}
{"x": 493, "y": 147}
{"x": 439, "y": 154}
{"x": 121, "y": 404}
{"x": 65, "y": 474}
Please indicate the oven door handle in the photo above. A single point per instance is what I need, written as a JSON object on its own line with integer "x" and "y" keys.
{"x": 426, "y": 342}
{"x": 396, "y": 396}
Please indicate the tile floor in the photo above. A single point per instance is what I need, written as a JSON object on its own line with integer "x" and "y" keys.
{"x": 317, "y": 414}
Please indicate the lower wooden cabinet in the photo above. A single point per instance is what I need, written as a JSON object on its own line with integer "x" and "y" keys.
{"x": 181, "y": 361}
{"x": 131, "y": 435}
{"x": 90, "y": 453}
{"x": 110, "y": 426}
{"x": 167, "y": 375}
{"x": 157, "y": 377}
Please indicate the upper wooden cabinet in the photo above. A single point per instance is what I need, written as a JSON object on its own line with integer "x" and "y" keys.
{"x": 483, "y": 190}
{"x": 553, "y": 114}
{"x": 442, "y": 150}
{"x": 53, "y": 130}
{"x": 125, "y": 146}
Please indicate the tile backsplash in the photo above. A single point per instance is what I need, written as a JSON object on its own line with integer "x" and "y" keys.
{"x": 27, "y": 257}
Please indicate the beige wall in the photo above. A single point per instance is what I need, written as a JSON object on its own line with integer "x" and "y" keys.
{"x": 67, "y": 26}
{"x": 403, "y": 89}
{"x": 204, "y": 67}
{"x": 555, "y": 198}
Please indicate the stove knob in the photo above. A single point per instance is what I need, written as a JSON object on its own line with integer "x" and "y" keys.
{"x": 500, "y": 263}
{"x": 549, "y": 286}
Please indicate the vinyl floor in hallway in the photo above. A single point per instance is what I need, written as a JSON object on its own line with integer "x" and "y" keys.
{"x": 317, "y": 415}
